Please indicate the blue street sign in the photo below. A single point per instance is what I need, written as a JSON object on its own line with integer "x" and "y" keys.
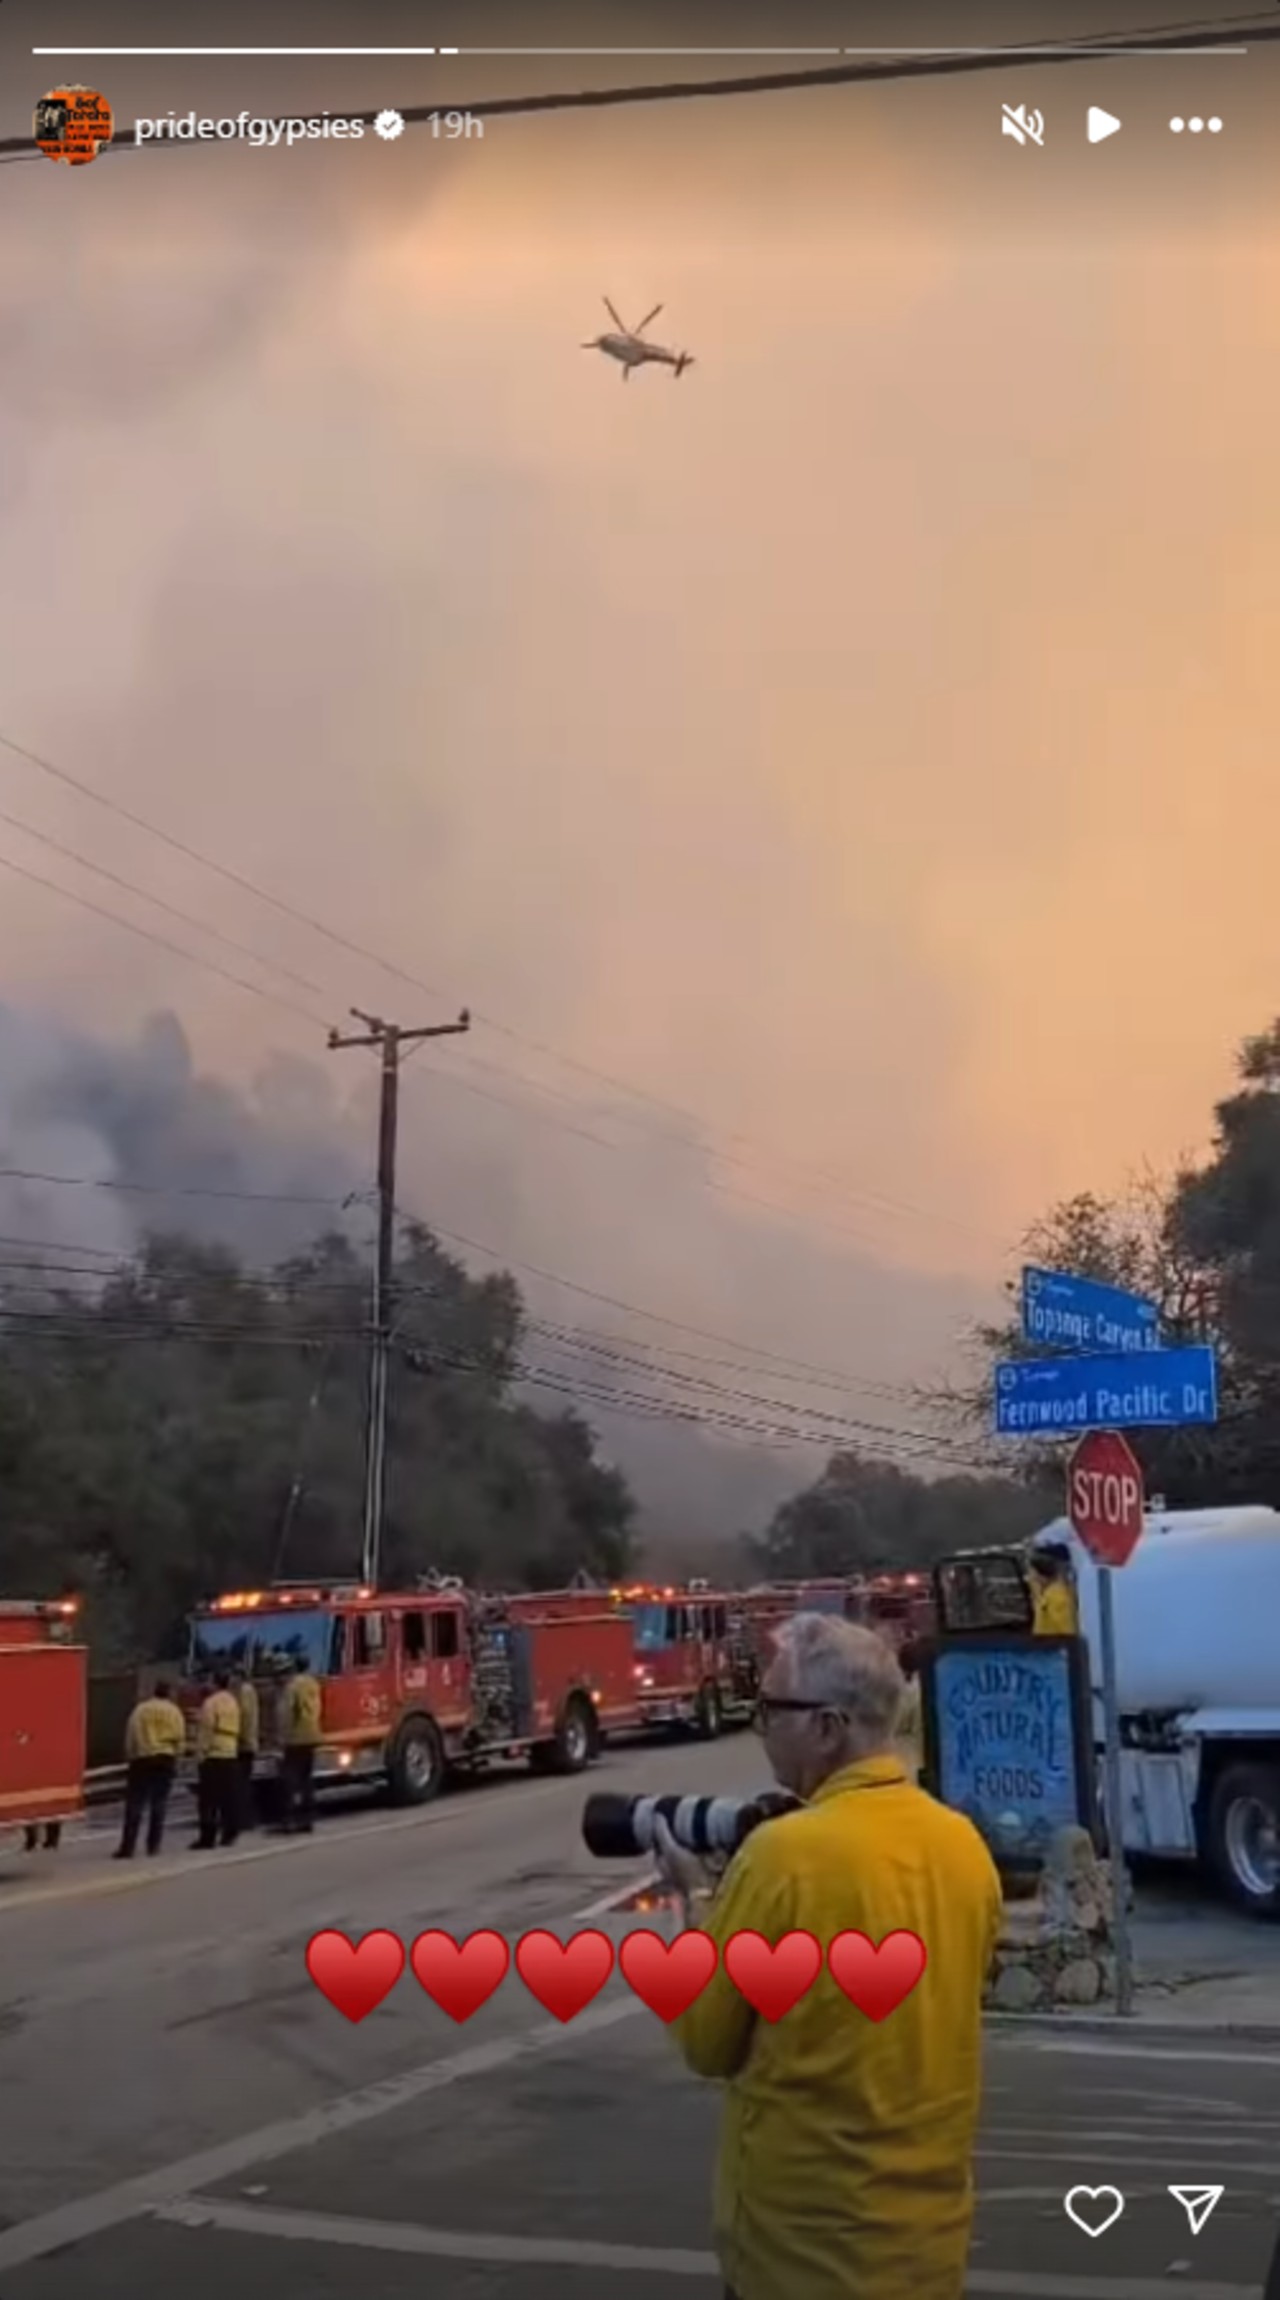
{"x": 1078, "y": 1314}
{"x": 1151, "y": 1389}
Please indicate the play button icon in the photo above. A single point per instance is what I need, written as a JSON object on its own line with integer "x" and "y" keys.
{"x": 1101, "y": 124}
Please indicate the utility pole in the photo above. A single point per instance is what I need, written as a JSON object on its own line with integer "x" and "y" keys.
{"x": 389, "y": 1039}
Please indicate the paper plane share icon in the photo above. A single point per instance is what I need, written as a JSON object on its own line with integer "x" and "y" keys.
{"x": 1198, "y": 2203}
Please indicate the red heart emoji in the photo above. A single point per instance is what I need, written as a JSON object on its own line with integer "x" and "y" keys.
{"x": 564, "y": 1975}
{"x": 773, "y": 1980}
{"x": 355, "y": 1975}
{"x": 668, "y": 1976}
{"x": 460, "y": 1976}
{"x": 877, "y": 1980}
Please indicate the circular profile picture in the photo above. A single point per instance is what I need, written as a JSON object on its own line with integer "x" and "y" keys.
{"x": 72, "y": 124}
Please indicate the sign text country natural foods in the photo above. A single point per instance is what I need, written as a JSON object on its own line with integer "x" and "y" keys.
{"x": 1069, "y": 1313}
{"x": 1005, "y": 1745}
{"x": 1151, "y": 1389}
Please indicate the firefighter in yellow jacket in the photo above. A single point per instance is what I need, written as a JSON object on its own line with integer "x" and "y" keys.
{"x": 246, "y": 1693}
{"x": 154, "y": 1739}
{"x": 302, "y": 1712}
{"x": 1056, "y": 1612}
{"x": 845, "y": 2169}
{"x": 217, "y": 1777}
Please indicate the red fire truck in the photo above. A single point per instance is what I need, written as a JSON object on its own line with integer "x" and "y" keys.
{"x": 43, "y": 1713}
{"x": 901, "y": 1606}
{"x": 897, "y": 1605}
{"x": 695, "y": 1650}
{"x": 416, "y": 1684}
{"x": 696, "y": 1658}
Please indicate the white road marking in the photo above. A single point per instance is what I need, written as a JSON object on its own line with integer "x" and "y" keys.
{"x": 614, "y": 1903}
{"x": 1081, "y": 2139}
{"x": 208, "y": 2167}
{"x": 198, "y": 2212}
{"x": 1086, "y": 2048}
{"x": 1022, "y": 2195}
{"x": 1219, "y": 2158}
{"x": 97, "y": 1885}
{"x": 443, "y": 2243}
{"x": 1020, "y": 2286}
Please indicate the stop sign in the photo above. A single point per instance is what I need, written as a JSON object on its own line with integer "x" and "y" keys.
{"x": 1105, "y": 1498}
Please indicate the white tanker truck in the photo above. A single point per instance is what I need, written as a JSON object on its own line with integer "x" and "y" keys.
{"x": 1197, "y": 1622}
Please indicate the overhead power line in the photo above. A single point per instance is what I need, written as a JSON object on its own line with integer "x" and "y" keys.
{"x": 158, "y": 902}
{"x": 900, "y": 66}
{"x": 621, "y": 1362}
{"x": 907, "y": 1448}
{"x": 705, "y": 1130}
{"x": 633, "y": 1309}
{"x": 161, "y": 941}
{"x": 655, "y": 1355}
{"x": 178, "y": 1189}
{"x": 610, "y": 1349}
{"x": 110, "y": 1260}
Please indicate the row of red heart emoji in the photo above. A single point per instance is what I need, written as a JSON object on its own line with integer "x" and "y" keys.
{"x": 564, "y": 1976}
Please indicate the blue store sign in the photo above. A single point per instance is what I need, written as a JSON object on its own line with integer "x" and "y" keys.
{"x": 1008, "y": 1741}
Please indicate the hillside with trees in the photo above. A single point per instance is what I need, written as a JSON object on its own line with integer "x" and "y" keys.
{"x": 866, "y": 1516}
{"x": 189, "y": 1425}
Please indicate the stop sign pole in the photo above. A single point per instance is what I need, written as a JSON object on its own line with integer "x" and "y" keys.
{"x": 1105, "y": 1504}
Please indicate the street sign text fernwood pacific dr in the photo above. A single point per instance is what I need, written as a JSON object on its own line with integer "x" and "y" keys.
{"x": 1140, "y": 1389}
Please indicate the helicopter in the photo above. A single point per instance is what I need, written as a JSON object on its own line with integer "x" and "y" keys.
{"x": 629, "y": 347}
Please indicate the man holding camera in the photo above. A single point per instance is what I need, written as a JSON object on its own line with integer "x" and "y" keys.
{"x": 846, "y": 2151}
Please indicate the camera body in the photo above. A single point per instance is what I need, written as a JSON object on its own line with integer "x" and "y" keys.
{"x": 618, "y": 1828}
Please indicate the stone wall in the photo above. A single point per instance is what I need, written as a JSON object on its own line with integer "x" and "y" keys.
{"x": 1056, "y": 1950}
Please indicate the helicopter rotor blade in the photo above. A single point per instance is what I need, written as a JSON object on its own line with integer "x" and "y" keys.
{"x": 621, "y": 328}
{"x": 649, "y": 319}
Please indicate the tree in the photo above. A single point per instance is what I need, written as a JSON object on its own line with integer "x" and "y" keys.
{"x": 864, "y": 1515}
{"x": 1226, "y": 1217}
{"x": 190, "y": 1425}
{"x": 1205, "y": 1247}
{"x": 1132, "y": 1242}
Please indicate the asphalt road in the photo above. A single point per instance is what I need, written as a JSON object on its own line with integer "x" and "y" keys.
{"x": 180, "y": 2109}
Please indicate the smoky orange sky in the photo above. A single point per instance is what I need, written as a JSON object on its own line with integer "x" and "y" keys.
{"x": 867, "y": 746}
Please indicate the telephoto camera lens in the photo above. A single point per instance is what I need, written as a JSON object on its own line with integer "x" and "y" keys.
{"x": 618, "y": 1828}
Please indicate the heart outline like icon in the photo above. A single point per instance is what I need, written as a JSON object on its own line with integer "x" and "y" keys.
{"x": 1094, "y": 2195}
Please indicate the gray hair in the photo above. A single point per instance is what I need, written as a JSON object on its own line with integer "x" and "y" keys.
{"x": 846, "y": 1668}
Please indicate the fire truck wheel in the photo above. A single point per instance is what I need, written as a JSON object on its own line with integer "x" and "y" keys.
{"x": 416, "y": 1767}
{"x": 710, "y": 1714}
{"x": 1244, "y": 1837}
{"x": 575, "y": 1736}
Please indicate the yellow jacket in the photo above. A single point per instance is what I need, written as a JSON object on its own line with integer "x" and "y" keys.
{"x": 845, "y": 2156}
{"x": 302, "y": 1711}
{"x": 1056, "y": 1611}
{"x": 155, "y": 1729}
{"x": 247, "y": 1704}
{"x": 218, "y": 1732}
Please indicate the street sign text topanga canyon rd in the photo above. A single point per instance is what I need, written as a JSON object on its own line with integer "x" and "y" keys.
{"x": 1064, "y": 1312}
{"x": 1140, "y": 1389}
